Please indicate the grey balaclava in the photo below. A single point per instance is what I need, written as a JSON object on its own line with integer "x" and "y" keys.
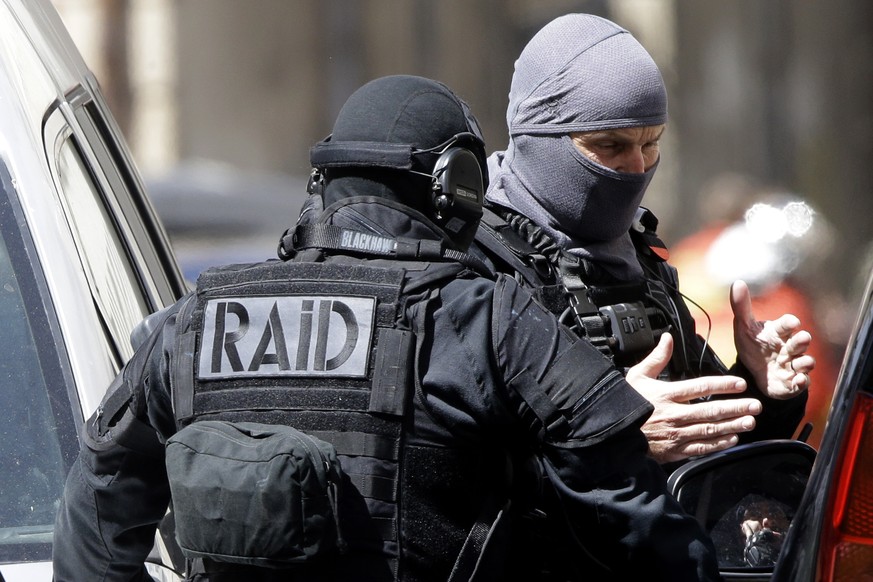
{"x": 578, "y": 73}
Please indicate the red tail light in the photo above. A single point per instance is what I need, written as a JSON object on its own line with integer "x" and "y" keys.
{"x": 846, "y": 552}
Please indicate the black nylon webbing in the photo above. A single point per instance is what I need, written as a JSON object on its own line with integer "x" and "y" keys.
{"x": 388, "y": 394}
{"x": 327, "y": 236}
{"x": 386, "y": 528}
{"x": 470, "y": 552}
{"x": 182, "y": 378}
{"x": 360, "y": 444}
{"x": 541, "y": 404}
{"x": 183, "y": 375}
{"x": 375, "y": 487}
{"x": 281, "y": 398}
{"x": 514, "y": 251}
{"x": 472, "y": 562}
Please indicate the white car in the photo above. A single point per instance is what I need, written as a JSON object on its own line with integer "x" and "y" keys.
{"x": 83, "y": 258}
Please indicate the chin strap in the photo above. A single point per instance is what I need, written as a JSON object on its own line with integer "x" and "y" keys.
{"x": 327, "y": 236}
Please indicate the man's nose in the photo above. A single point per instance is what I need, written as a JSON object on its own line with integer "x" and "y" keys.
{"x": 633, "y": 161}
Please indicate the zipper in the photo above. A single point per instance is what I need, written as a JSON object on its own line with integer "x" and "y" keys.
{"x": 332, "y": 485}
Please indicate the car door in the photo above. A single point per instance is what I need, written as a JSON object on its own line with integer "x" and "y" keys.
{"x": 83, "y": 259}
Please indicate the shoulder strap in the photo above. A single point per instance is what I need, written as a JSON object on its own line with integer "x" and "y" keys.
{"x": 181, "y": 379}
{"x": 502, "y": 243}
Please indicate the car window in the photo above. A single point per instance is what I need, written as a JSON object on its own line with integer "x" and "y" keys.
{"x": 113, "y": 280}
{"x": 37, "y": 431}
{"x": 159, "y": 277}
{"x": 125, "y": 257}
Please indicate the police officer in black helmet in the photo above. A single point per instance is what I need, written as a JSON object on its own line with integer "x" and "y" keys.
{"x": 381, "y": 381}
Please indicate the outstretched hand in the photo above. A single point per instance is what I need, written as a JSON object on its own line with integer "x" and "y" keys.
{"x": 773, "y": 351}
{"x": 682, "y": 426}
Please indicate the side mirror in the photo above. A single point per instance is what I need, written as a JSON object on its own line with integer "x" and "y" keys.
{"x": 745, "y": 499}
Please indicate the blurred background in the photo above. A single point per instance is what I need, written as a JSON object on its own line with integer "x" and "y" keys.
{"x": 770, "y": 102}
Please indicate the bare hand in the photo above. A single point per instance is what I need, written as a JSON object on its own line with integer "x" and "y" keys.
{"x": 773, "y": 351}
{"x": 680, "y": 428}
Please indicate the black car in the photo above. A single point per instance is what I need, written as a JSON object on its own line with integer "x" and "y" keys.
{"x": 780, "y": 511}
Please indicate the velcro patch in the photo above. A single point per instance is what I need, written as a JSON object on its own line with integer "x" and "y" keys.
{"x": 296, "y": 335}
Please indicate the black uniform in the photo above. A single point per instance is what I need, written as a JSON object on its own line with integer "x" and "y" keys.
{"x": 623, "y": 319}
{"x": 492, "y": 382}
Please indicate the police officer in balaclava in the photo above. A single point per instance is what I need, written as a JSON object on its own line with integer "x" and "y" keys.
{"x": 376, "y": 405}
{"x": 587, "y": 108}
{"x": 580, "y": 74}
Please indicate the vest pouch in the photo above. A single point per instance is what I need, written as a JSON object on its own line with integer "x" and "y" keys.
{"x": 254, "y": 494}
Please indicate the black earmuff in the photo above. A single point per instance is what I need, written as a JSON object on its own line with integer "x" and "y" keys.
{"x": 458, "y": 175}
{"x": 315, "y": 185}
{"x": 458, "y": 185}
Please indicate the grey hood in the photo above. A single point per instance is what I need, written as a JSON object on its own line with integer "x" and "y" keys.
{"x": 578, "y": 73}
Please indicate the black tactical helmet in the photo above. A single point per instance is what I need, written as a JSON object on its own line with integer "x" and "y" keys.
{"x": 411, "y": 140}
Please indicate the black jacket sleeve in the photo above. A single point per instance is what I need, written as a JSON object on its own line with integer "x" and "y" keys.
{"x": 586, "y": 421}
{"x": 100, "y": 534}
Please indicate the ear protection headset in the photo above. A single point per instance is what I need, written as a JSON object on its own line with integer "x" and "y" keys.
{"x": 458, "y": 177}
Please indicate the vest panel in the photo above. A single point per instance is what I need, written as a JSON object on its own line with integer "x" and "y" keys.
{"x": 325, "y": 348}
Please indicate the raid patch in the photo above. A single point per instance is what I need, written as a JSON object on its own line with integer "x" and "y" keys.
{"x": 286, "y": 336}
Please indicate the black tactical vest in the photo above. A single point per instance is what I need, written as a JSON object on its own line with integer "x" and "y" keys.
{"x": 328, "y": 349}
{"x": 624, "y": 321}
